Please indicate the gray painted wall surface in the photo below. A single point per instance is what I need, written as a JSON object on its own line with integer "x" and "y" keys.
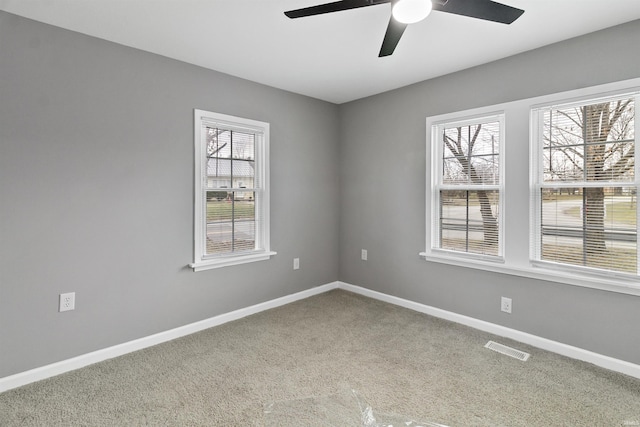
{"x": 382, "y": 178}
{"x": 96, "y": 194}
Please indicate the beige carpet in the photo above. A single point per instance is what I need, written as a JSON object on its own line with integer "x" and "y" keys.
{"x": 401, "y": 362}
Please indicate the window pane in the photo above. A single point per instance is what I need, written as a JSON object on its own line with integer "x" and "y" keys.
{"x": 592, "y": 142}
{"x": 243, "y": 173}
{"x": 592, "y": 227}
{"x": 230, "y": 159}
{"x": 218, "y": 143}
{"x": 218, "y": 173}
{"x": 231, "y": 222}
{"x": 470, "y": 154}
{"x": 243, "y": 146}
{"x": 244, "y": 221}
{"x": 469, "y": 221}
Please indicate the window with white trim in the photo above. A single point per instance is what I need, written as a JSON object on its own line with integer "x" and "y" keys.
{"x": 231, "y": 210}
{"x": 584, "y": 195}
{"x": 564, "y": 194}
{"x": 467, "y": 186}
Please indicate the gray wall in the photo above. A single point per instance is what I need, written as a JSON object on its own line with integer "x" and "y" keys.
{"x": 382, "y": 176}
{"x": 96, "y": 194}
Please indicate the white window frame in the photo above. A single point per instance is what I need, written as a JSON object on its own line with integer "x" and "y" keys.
{"x": 436, "y": 128}
{"x": 202, "y": 261}
{"x": 518, "y": 187}
{"x": 537, "y": 184}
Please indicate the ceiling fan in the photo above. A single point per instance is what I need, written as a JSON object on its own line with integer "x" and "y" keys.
{"x": 405, "y": 12}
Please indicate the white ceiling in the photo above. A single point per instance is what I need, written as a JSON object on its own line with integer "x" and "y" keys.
{"x": 333, "y": 57}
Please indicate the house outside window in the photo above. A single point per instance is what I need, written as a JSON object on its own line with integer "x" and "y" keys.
{"x": 467, "y": 186}
{"x": 231, "y": 211}
{"x": 585, "y": 185}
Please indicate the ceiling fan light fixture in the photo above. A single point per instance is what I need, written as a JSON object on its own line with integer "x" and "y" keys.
{"x": 411, "y": 11}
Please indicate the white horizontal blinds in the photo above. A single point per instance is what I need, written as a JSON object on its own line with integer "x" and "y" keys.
{"x": 469, "y": 187}
{"x": 588, "y": 189}
{"x": 232, "y": 190}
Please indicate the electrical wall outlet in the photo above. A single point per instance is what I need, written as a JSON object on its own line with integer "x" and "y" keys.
{"x": 67, "y": 302}
{"x": 296, "y": 263}
{"x": 505, "y": 304}
{"x": 363, "y": 255}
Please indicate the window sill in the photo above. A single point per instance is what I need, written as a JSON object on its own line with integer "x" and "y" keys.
{"x": 209, "y": 264}
{"x": 539, "y": 271}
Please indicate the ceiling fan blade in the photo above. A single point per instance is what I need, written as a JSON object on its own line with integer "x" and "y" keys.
{"x": 481, "y": 9}
{"x": 391, "y": 37}
{"x": 336, "y": 6}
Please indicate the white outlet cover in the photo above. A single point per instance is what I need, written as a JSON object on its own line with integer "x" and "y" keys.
{"x": 67, "y": 302}
{"x": 505, "y": 304}
{"x": 296, "y": 263}
{"x": 363, "y": 255}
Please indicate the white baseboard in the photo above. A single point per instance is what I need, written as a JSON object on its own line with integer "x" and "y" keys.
{"x": 61, "y": 367}
{"x": 607, "y": 362}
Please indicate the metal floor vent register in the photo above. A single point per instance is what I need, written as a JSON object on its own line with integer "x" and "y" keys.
{"x": 517, "y": 354}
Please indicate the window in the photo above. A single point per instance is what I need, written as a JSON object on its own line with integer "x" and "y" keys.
{"x": 585, "y": 185}
{"x": 544, "y": 188}
{"x": 467, "y": 190}
{"x": 231, "y": 191}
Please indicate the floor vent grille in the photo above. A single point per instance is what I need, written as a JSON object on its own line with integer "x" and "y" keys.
{"x": 517, "y": 354}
